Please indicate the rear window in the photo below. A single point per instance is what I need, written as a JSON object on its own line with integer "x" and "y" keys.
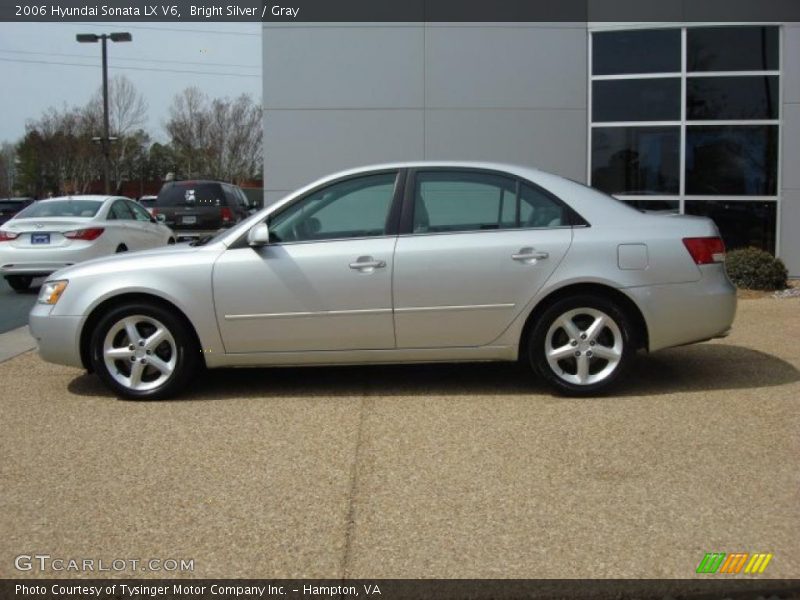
{"x": 61, "y": 208}
{"x": 191, "y": 194}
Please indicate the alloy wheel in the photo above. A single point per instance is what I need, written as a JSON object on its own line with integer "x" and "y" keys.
{"x": 140, "y": 352}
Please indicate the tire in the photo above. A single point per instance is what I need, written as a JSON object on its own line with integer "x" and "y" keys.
{"x": 170, "y": 361}
{"x": 19, "y": 283}
{"x": 605, "y": 353}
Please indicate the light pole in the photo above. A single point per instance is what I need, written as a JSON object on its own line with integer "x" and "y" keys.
{"x": 105, "y": 141}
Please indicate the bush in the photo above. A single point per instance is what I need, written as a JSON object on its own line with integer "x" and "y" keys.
{"x": 755, "y": 269}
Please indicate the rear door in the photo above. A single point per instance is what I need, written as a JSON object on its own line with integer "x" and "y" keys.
{"x": 475, "y": 246}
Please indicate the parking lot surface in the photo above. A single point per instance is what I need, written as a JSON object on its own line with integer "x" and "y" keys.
{"x": 15, "y": 306}
{"x": 416, "y": 471}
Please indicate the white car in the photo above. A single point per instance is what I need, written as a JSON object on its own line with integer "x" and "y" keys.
{"x": 56, "y": 233}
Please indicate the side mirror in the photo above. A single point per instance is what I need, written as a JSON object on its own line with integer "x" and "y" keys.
{"x": 258, "y": 235}
{"x": 161, "y": 218}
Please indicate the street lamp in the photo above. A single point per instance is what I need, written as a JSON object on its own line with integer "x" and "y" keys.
{"x": 105, "y": 141}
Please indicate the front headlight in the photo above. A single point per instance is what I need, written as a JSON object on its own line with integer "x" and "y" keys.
{"x": 51, "y": 291}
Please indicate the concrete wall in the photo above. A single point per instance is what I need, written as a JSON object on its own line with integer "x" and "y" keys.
{"x": 789, "y": 248}
{"x": 344, "y": 95}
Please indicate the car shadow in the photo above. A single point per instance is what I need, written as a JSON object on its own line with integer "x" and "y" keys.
{"x": 686, "y": 369}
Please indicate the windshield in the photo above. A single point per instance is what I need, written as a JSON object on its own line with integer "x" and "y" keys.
{"x": 61, "y": 208}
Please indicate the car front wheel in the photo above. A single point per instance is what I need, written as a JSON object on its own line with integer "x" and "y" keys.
{"x": 581, "y": 345}
{"x": 144, "y": 351}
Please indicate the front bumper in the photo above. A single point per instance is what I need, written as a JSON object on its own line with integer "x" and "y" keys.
{"x": 57, "y": 337}
{"x": 684, "y": 313}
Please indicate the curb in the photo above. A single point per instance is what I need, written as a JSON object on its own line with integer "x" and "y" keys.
{"x": 15, "y": 342}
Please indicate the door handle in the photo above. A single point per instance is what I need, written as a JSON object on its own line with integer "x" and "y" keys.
{"x": 530, "y": 254}
{"x": 364, "y": 263}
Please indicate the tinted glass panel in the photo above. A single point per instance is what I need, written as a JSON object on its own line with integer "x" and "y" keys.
{"x": 636, "y": 100}
{"x": 645, "y": 51}
{"x": 61, "y": 208}
{"x": 740, "y": 223}
{"x": 138, "y": 212}
{"x": 672, "y": 206}
{"x": 732, "y": 48}
{"x": 539, "y": 209}
{"x": 189, "y": 193}
{"x": 736, "y": 160}
{"x": 636, "y": 160}
{"x": 462, "y": 201}
{"x": 356, "y": 207}
{"x": 120, "y": 210}
{"x": 732, "y": 97}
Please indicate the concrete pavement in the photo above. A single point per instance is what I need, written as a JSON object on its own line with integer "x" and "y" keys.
{"x": 417, "y": 471}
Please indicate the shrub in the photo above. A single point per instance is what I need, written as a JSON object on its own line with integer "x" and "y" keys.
{"x": 755, "y": 269}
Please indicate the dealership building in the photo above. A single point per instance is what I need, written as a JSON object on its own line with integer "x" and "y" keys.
{"x": 700, "y": 118}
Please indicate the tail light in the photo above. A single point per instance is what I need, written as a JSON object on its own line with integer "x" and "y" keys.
{"x": 84, "y": 234}
{"x": 705, "y": 250}
{"x": 7, "y": 236}
{"x": 226, "y": 214}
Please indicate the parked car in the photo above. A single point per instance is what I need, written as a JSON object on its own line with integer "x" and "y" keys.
{"x": 59, "y": 232}
{"x": 11, "y": 206}
{"x": 148, "y": 202}
{"x": 409, "y": 262}
{"x": 199, "y": 208}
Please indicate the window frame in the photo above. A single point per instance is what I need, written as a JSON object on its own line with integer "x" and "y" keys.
{"x": 391, "y": 221}
{"x": 408, "y": 204}
{"x": 683, "y": 123}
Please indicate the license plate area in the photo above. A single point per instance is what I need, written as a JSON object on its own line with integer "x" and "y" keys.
{"x": 189, "y": 220}
{"x": 40, "y": 238}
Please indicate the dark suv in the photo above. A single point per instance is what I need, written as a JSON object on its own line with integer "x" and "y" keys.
{"x": 198, "y": 208}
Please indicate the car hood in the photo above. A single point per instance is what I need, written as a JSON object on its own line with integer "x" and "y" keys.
{"x": 143, "y": 260}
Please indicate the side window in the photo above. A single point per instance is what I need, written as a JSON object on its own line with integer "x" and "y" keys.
{"x": 356, "y": 207}
{"x": 139, "y": 213}
{"x": 538, "y": 209}
{"x": 120, "y": 211}
{"x": 463, "y": 201}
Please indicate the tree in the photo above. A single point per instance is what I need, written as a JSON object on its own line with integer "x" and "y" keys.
{"x": 220, "y": 138}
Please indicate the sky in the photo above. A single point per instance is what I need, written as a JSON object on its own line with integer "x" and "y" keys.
{"x": 222, "y": 59}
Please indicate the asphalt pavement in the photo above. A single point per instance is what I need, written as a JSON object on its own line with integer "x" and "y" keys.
{"x": 454, "y": 471}
{"x": 15, "y": 306}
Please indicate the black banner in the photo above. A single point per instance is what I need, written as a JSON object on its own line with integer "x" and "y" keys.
{"x": 716, "y": 587}
{"x": 303, "y": 11}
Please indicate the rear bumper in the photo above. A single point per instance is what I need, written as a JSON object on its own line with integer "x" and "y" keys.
{"x": 57, "y": 337}
{"x": 684, "y": 313}
{"x": 20, "y": 261}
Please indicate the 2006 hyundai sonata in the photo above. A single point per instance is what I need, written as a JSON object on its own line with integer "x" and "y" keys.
{"x": 401, "y": 263}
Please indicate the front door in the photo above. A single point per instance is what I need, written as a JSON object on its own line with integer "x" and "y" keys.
{"x": 324, "y": 281}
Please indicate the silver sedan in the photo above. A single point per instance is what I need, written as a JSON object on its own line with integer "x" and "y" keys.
{"x": 51, "y": 234}
{"x": 401, "y": 263}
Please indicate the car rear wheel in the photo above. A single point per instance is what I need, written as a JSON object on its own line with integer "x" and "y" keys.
{"x": 19, "y": 283}
{"x": 581, "y": 345}
{"x": 143, "y": 351}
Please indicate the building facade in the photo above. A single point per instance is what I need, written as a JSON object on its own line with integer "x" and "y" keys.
{"x": 697, "y": 118}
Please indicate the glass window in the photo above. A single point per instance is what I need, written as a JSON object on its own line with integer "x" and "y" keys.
{"x": 741, "y": 223}
{"x": 636, "y": 100}
{"x": 352, "y": 208}
{"x": 190, "y": 193}
{"x": 642, "y": 51}
{"x": 735, "y": 160}
{"x": 120, "y": 210}
{"x": 636, "y": 160}
{"x": 732, "y": 97}
{"x": 139, "y": 213}
{"x": 463, "y": 201}
{"x": 539, "y": 209}
{"x": 60, "y": 208}
{"x": 738, "y": 48}
{"x": 672, "y": 206}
